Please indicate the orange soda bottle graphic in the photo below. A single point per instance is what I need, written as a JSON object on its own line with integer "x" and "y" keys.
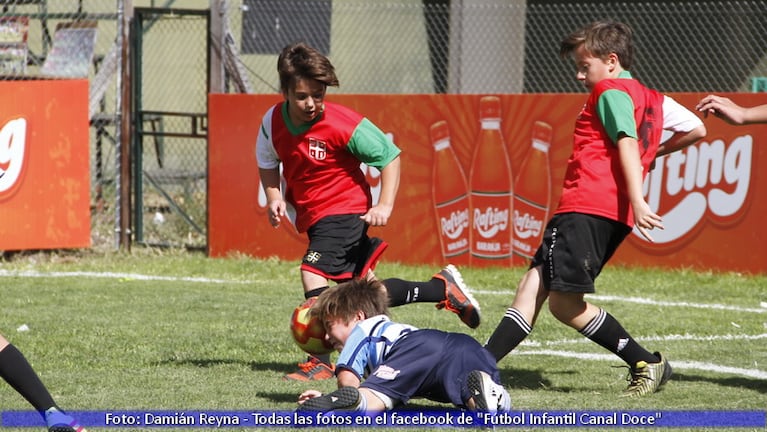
{"x": 491, "y": 187}
{"x": 451, "y": 197}
{"x": 532, "y": 193}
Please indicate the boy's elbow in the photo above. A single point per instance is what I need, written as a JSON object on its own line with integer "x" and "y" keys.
{"x": 699, "y": 133}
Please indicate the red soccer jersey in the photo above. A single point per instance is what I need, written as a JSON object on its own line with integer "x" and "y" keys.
{"x": 321, "y": 160}
{"x": 594, "y": 181}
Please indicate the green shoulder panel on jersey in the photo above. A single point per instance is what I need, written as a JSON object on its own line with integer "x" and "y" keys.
{"x": 616, "y": 111}
{"x": 370, "y": 145}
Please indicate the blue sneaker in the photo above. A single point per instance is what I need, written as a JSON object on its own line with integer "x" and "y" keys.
{"x": 58, "y": 421}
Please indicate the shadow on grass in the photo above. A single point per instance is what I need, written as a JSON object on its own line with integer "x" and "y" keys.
{"x": 282, "y": 368}
{"x": 201, "y": 363}
{"x": 411, "y": 406}
{"x": 524, "y": 379}
{"x": 511, "y": 378}
{"x": 735, "y": 382}
{"x": 281, "y": 397}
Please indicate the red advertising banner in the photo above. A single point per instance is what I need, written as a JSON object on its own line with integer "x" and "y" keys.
{"x": 44, "y": 165}
{"x": 482, "y": 174}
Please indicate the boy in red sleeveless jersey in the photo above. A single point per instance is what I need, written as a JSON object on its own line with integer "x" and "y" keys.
{"x": 616, "y": 139}
{"x": 320, "y": 146}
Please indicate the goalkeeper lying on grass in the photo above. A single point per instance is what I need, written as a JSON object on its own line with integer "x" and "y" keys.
{"x": 398, "y": 361}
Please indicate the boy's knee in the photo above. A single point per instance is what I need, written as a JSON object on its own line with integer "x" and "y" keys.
{"x": 566, "y": 308}
{"x": 556, "y": 311}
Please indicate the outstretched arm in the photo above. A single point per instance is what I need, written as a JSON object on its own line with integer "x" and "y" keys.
{"x": 732, "y": 113}
{"x": 344, "y": 378}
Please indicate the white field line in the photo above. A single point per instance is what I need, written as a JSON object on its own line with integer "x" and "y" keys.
{"x": 650, "y": 302}
{"x": 684, "y": 337}
{"x": 675, "y": 364}
{"x": 110, "y": 275}
{"x": 678, "y": 364}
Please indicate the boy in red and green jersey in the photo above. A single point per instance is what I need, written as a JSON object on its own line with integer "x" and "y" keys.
{"x": 617, "y": 136}
{"x": 321, "y": 160}
{"x": 320, "y": 147}
{"x": 594, "y": 182}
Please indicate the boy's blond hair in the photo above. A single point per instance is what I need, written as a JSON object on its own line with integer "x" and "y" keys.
{"x": 346, "y": 299}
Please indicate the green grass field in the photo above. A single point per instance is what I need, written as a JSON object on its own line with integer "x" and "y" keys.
{"x": 169, "y": 330}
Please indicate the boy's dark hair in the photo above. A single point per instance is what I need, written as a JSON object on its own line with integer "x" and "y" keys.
{"x": 600, "y": 38}
{"x": 299, "y": 60}
{"x": 346, "y": 299}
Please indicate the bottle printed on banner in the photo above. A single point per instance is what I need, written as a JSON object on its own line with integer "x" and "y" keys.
{"x": 532, "y": 193}
{"x": 451, "y": 197}
{"x": 490, "y": 183}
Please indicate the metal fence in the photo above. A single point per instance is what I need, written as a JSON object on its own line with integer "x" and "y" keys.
{"x": 497, "y": 46}
{"x": 169, "y": 85}
{"x": 377, "y": 46}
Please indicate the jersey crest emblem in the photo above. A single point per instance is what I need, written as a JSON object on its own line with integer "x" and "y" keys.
{"x": 386, "y": 372}
{"x": 317, "y": 149}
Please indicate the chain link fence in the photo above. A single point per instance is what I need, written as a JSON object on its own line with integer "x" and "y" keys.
{"x": 170, "y": 86}
{"x": 377, "y": 46}
{"x": 497, "y": 46}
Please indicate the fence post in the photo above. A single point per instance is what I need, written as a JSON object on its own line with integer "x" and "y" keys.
{"x": 216, "y": 46}
{"x": 123, "y": 170}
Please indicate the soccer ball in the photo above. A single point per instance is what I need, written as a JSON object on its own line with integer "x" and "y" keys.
{"x": 307, "y": 331}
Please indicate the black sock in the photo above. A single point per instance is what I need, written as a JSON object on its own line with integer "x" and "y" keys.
{"x": 315, "y": 292}
{"x": 16, "y": 371}
{"x": 402, "y": 292}
{"x": 511, "y": 331}
{"x": 325, "y": 358}
{"x": 608, "y": 333}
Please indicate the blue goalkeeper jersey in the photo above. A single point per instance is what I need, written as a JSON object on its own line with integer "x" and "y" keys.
{"x": 369, "y": 343}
